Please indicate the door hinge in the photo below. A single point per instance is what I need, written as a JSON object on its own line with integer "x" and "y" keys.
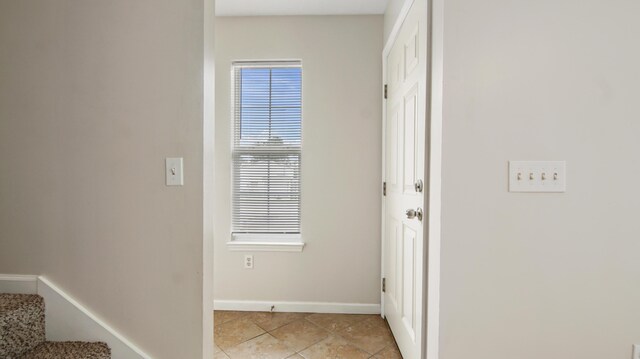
{"x": 384, "y": 188}
{"x": 384, "y": 285}
{"x": 385, "y": 91}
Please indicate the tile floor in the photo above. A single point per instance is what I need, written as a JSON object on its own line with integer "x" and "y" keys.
{"x": 249, "y": 335}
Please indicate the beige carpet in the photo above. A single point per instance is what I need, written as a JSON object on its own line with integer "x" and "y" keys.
{"x": 69, "y": 350}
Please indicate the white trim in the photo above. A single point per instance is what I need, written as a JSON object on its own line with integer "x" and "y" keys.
{"x": 208, "y": 171}
{"x": 67, "y": 319}
{"x": 435, "y": 77}
{"x": 18, "y": 284}
{"x": 297, "y": 307}
{"x": 247, "y": 246}
{"x": 267, "y": 237}
{"x": 297, "y": 7}
{"x": 267, "y": 63}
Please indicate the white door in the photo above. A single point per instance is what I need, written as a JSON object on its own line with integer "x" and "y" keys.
{"x": 403, "y": 260}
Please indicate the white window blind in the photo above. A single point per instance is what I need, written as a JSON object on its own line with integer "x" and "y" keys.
{"x": 267, "y": 147}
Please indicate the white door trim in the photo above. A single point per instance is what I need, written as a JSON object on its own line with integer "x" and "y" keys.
{"x": 433, "y": 149}
{"x": 435, "y": 79}
{"x": 208, "y": 190}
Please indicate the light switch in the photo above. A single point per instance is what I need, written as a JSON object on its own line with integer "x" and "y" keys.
{"x": 537, "y": 176}
{"x": 174, "y": 171}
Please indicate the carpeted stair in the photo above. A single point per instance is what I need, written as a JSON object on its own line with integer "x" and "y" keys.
{"x": 22, "y": 333}
{"x": 62, "y": 350}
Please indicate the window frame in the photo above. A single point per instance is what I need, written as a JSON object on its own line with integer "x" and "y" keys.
{"x": 280, "y": 242}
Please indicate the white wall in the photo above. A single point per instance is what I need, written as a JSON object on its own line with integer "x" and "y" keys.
{"x": 550, "y": 276}
{"x": 341, "y": 173}
{"x": 93, "y": 97}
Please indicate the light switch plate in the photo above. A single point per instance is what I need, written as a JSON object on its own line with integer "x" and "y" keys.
{"x": 174, "y": 171}
{"x": 636, "y": 351}
{"x": 537, "y": 176}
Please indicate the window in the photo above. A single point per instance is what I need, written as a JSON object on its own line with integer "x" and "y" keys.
{"x": 267, "y": 138}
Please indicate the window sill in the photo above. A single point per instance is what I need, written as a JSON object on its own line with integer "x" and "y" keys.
{"x": 266, "y": 242}
{"x": 256, "y": 246}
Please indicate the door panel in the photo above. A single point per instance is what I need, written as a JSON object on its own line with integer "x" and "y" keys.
{"x": 408, "y": 280}
{"x": 395, "y": 251}
{"x": 393, "y": 153}
{"x": 411, "y": 55}
{"x": 405, "y": 118}
{"x": 409, "y": 140}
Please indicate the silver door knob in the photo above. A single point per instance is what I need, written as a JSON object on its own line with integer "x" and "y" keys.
{"x": 418, "y": 186}
{"x": 415, "y": 213}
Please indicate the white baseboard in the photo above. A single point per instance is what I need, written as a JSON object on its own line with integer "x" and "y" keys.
{"x": 66, "y": 319}
{"x": 297, "y": 307}
{"x": 18, "y": 284}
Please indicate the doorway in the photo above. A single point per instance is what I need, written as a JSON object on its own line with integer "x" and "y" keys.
{"x": 327, "y": 278}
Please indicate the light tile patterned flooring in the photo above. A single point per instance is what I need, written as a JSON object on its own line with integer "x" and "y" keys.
{"x": 263, "y": 335}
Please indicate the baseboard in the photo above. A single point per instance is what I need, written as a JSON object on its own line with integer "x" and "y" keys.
{"x": 66, "y": 319}
{"x": 297, "y": 307}
{"x": 18, "y": 284}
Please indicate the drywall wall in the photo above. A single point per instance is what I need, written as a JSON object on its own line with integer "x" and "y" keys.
{"x": 541, "y": 275}
{"x": 93, "y": 96}
{"x": 341, "y": 170}
{"x": 391, "y": 15}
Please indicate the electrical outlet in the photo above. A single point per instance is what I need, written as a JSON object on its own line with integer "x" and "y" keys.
{"x": 636, "y": 351}
{"x": 248, "y": 261}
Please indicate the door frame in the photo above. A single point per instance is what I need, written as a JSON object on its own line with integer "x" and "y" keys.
{"x": 433, "y": 172}
{"x": 208, "y": 169}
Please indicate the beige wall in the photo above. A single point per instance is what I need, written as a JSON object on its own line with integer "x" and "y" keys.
{"x": 93, "y": 96}
{"x": 532, "y": 276}
{"x": 341, "y": 173}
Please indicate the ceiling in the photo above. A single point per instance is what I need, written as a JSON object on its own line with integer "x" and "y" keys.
{"x": 299, "y": 7}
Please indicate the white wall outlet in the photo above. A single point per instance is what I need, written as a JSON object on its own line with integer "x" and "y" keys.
{"x": 537, "y": 176}
{"x": 173, "y": 169}
{"x": 248, "y": 261}
{"x": 636, "y": 351}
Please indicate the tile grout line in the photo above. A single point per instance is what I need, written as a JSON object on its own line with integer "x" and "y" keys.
{"x": 262, "y": 328}
{"x": 250, "y": 339}
{"x": 298, "y": 351}
{"x": 225, "y": 353}
{"x": 305, "y": 318}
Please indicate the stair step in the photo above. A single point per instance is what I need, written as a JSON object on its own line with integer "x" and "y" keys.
{"x": 21, "y": 324}
{"x": 69, "y": 350}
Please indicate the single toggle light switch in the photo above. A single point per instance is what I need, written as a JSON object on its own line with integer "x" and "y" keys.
{"x": 174, "y": 171}
{"x": 543, "y": 176}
